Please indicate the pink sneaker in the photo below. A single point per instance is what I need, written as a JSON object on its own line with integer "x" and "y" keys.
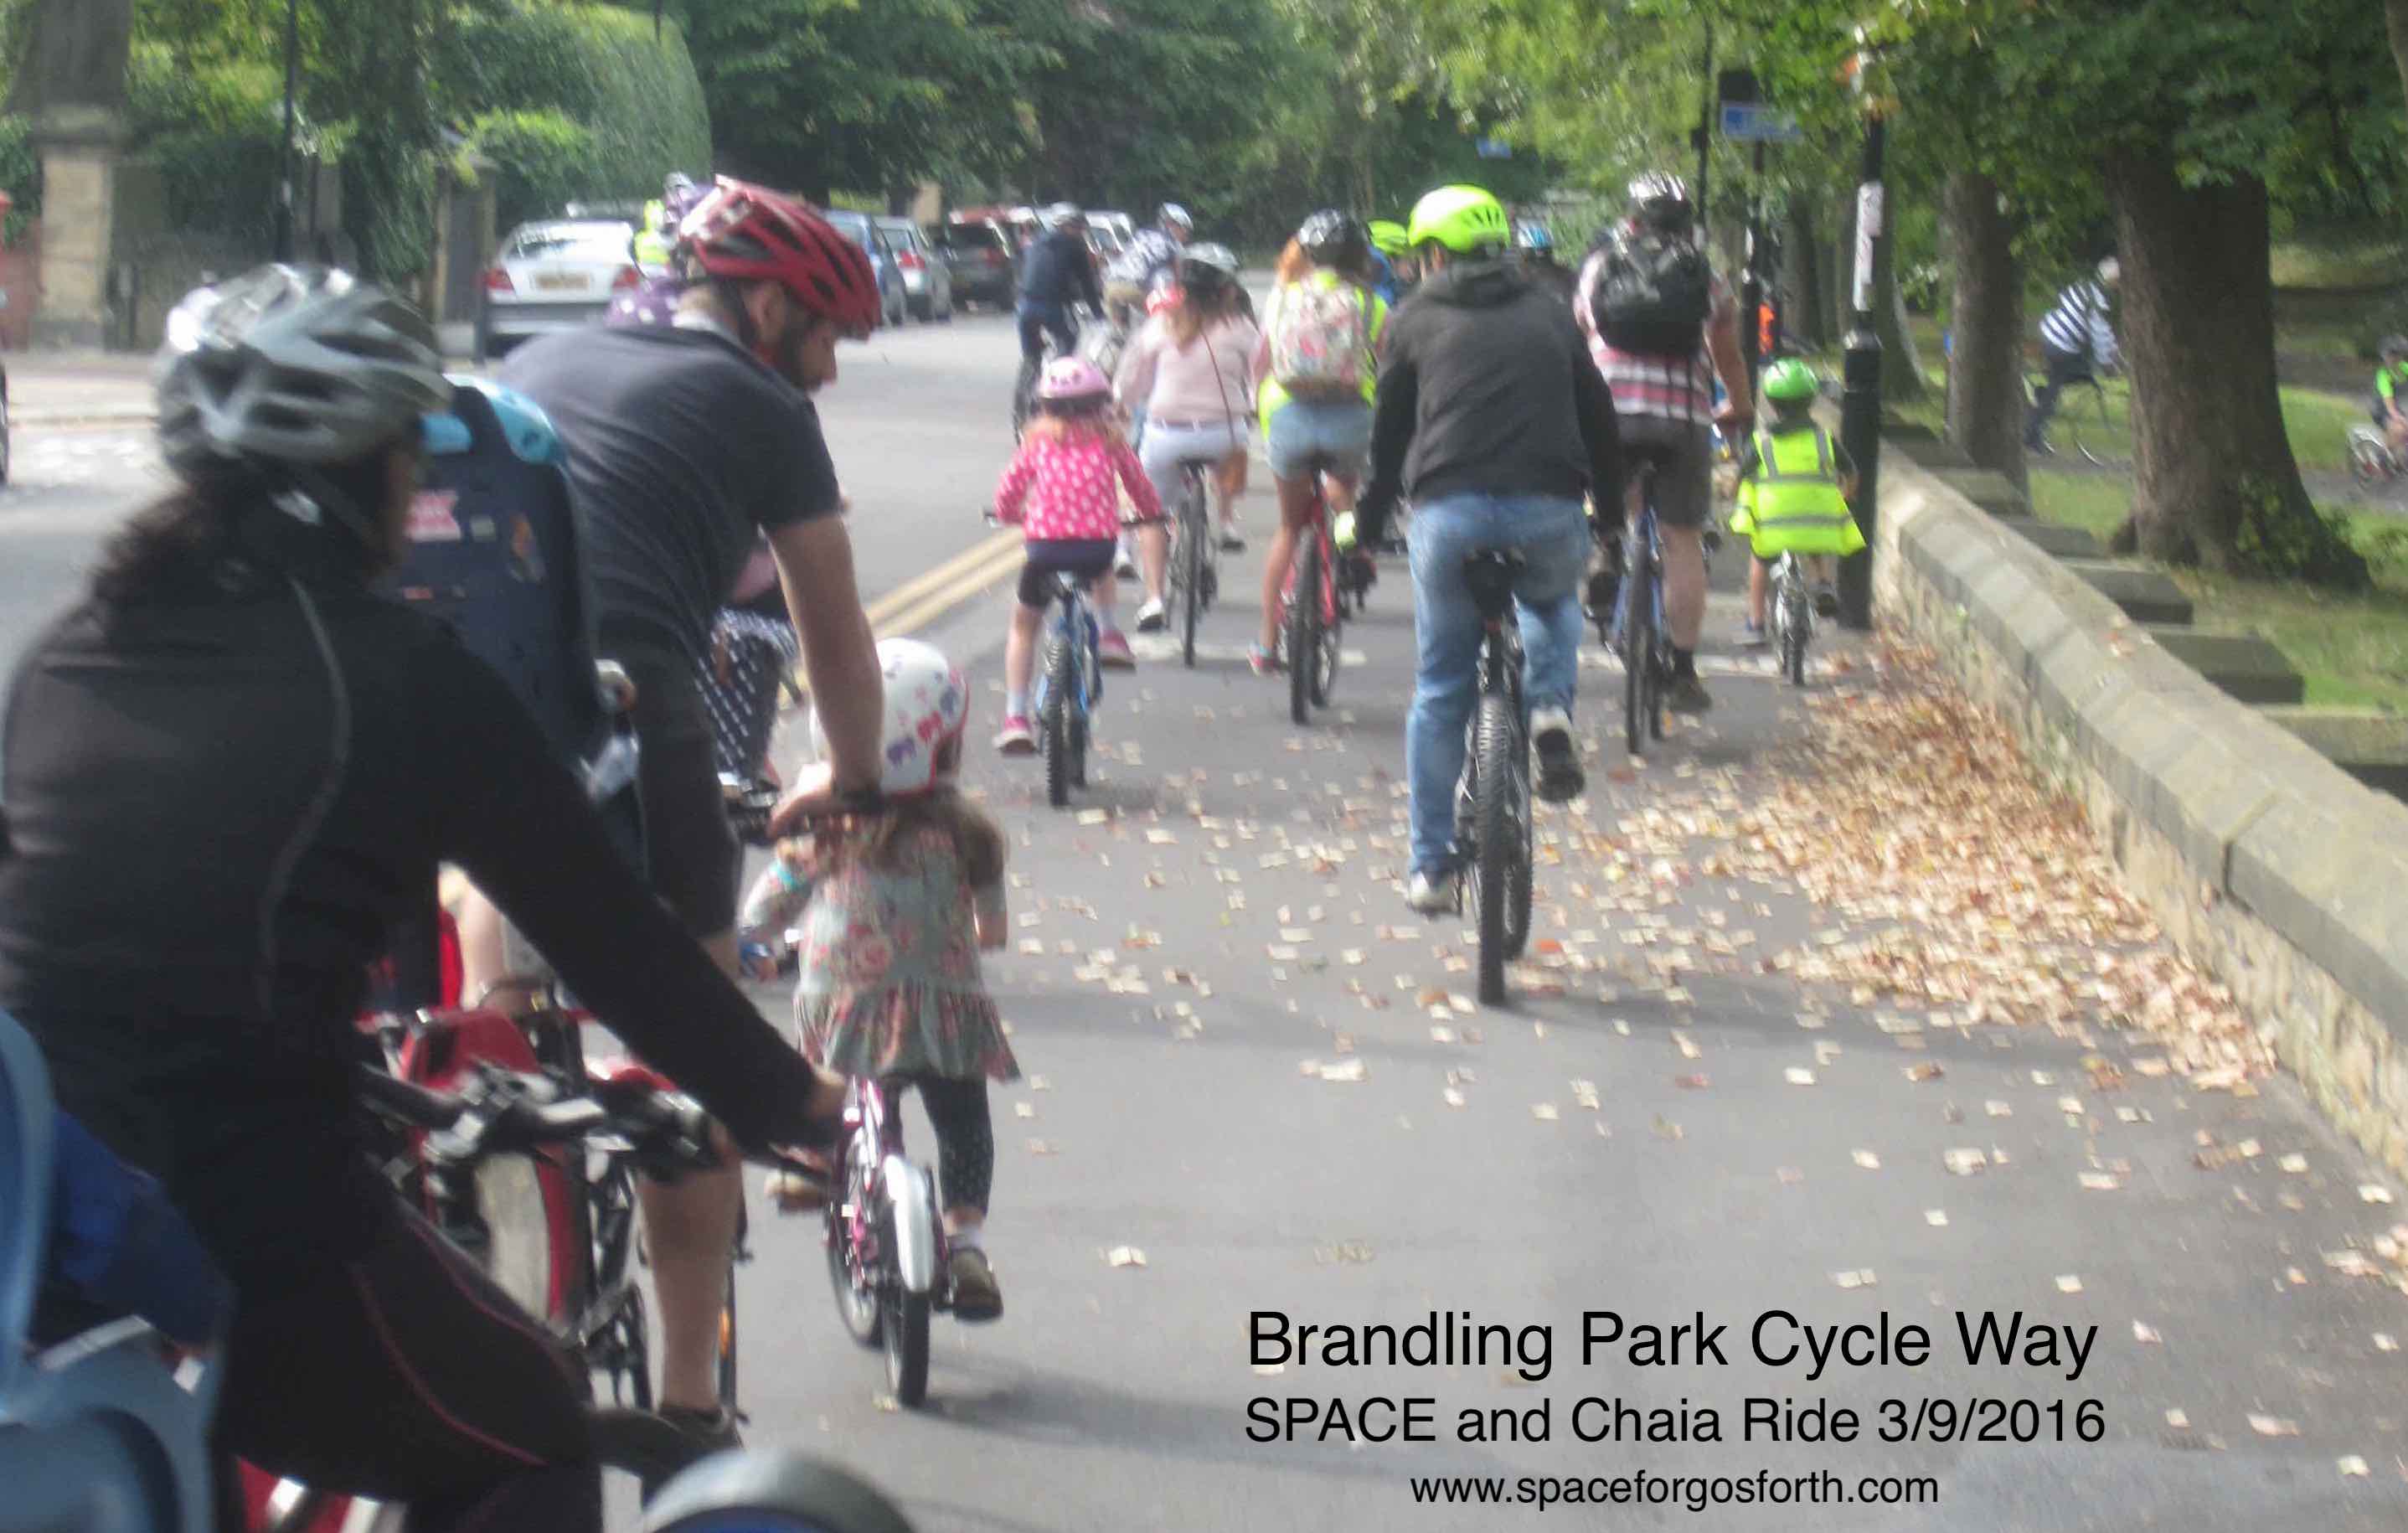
{"x": 1113, "y": 649}
{"x": 1015, "y": 739}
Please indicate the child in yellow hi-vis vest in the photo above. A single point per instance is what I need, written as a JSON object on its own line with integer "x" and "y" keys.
{"x": 1795, "y": 483}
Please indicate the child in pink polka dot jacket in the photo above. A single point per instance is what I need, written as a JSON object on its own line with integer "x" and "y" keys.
{"x": 1062, "y": 490}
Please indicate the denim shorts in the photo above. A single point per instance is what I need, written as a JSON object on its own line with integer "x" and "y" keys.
{"x": 1331, "y": 433}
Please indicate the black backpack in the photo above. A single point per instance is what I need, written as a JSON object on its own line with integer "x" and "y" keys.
{"x": 1654, "y": 293}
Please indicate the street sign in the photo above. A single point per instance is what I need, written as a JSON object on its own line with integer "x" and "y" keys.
{"x": 1751, "y": 123}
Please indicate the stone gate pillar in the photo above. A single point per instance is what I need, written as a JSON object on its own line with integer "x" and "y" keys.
{"x": 72, "y": 86}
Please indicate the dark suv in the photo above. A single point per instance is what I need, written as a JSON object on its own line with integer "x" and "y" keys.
{"x": 980, "y": 257}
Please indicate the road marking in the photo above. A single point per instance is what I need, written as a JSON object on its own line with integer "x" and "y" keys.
{"x": 930, "y": 594}
{"x": 1767, "y": 666}
{"x": 883, "y": 611}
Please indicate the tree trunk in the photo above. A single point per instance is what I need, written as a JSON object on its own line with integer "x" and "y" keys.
{"x": 899, "y": 200}
{"x": 1985, "y": 396}
{"x": 2395, "y": 17}
{"x": 1901, "y": 368}
{"x": 2215, "y": 483}
{"x": 1805, "y": 302}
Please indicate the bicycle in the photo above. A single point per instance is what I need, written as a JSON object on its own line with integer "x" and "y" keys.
{"x": 1069, "y": 684}
{"x": 1195, "y": 556}
{"x": 1309, "y": 626}
{"x": 1492, "y": 799}
{"x": 1640, "y": 634}
{"x": 1049, "y": 348}
{"x": 2089, "y": 428}
{"x": 1793, "y": 616}
{"x": 2371, "y": 462}
{"x": 886, "y": 1249}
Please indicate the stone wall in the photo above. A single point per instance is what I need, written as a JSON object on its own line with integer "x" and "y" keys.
{"x": 2268, "y": 866}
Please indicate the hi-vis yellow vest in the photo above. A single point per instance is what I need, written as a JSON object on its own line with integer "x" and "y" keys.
{"x": 652, "y": 246}
{"x": 1792, "y": 504}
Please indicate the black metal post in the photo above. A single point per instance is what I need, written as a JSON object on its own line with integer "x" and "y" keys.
{"x": 1705, "y": 131}
{"x": 1861, "y": 410}
{"x": 1752, "y": 283}
{"x": 284, "y": 173}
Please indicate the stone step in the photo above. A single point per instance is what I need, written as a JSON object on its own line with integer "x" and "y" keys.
{"x": 2368, "y": 743}
{"x": 1987, "y": 488}
{"x": 2244, "y": 664}
{"x": 1927, "y": 451}
{"x": 2056, "y": 539}
{"x": 2146, "y": 594}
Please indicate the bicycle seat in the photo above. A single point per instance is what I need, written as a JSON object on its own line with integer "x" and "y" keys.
{"x": 1490, "y": 574}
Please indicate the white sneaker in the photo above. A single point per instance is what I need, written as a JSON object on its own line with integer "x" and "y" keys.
{"x": 1431, "y": 897}
{"x": 1150, "y": 616}
{"x": 1125, "y": 565}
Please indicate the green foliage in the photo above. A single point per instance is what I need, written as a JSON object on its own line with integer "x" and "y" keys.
{"x": 20, "y": 176}
{"x": 217, "y": 131}
{"x": 2275, "y": 543}
{"x": 542, "y": 159}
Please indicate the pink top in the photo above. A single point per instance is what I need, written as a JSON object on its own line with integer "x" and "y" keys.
{"x": 1061, "y": 490}
{"x": 1670, "y": 388}
{"x": 1206, "y": 381}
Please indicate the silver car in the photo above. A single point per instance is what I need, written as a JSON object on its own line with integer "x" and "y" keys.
{"x": 554, "y": 275}
{"x": 927, "y": 285}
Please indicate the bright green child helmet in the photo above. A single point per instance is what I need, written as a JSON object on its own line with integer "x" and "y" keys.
{"x": 1461, "y": 218}
{"x": 1791, "y": 382}
{"x": 1389, "y": 239}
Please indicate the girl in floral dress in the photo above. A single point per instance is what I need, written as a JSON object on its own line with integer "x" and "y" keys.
{"x": 891, "y": 909}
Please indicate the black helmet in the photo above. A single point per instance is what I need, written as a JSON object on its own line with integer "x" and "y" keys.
{"x": 1660, "y": 201}
{"x": 2394, "y": 348}
{"x": 1333, "y": 238}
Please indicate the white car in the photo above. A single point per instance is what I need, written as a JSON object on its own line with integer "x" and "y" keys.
{"x": 556, "y": 275}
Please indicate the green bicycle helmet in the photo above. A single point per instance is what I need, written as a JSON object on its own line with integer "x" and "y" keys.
{"x": 1463, "y": 219}
{"x": 1388, "y": 238}
{"x": 1791, "y": 382}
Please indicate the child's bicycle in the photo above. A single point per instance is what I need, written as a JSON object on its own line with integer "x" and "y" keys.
{"x": 1311, "y": 613}
{"x": 886, "y": 1252}
{"x": 1793, "y": 616}
{"x": 1492, "y": 799}
{"x": 2371, "y": 462}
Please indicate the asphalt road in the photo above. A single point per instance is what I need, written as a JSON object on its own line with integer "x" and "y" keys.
{"x": 1680, "y": 1134}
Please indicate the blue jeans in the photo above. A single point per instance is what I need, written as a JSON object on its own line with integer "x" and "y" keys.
{"x": 1553, "y": 537}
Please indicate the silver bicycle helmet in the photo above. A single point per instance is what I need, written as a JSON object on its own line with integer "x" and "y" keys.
{"x": 1171, "y": 216}
{"x": 296, "y": 367}
{"x": 1207, "y": 265}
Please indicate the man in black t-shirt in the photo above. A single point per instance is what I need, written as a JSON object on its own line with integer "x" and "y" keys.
{"x": 685, "y": 444}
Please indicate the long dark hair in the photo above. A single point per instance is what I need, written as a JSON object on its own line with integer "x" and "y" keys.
{"x": 181, "y": 544}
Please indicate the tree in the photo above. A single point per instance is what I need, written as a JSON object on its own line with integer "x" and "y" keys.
{"x": 1985, "y": 396}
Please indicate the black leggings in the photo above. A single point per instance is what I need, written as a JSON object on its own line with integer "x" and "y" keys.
{"x": 408, "y": 1376}
{"x": 957, "y": 1110}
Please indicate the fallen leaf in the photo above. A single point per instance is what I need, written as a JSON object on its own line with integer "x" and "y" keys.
{"x": 1867, "y": 1159}
{"x": 1936, "y": 1218}
{"x": 1692, "y": 1082}
{"x": 1124, "y": 1256}
{"x": 1544, "y": 1111}
{"x": 1860, "y": 1278}
{"x": 1041, "y": 1147}
{"x": 2373, "y": 1193}
{"x": 1928, "y": 1071}
{"x": 1345, "y": 1072}
{"x": 1452, "y": 1097}
{"x": 1788, "y": 1176}
{"x": 2067, "y": 1283}
{"x": 1023, "y": 1110}
{"x": 2386, "y": 1342}
{"x": 1998, "y": 1110}
{"x": 1797, "y": 1075}
{"x": 1964, "y": 1162}
{"x": 2100, "y": 1182}
{"x": 2178, "y": 1419}
{"x": 2145, "y": 1335}
{"x": 2352, "y": 1467}
{"x": 2295, "y": 1164}
{"x": 2266, "y": 1425}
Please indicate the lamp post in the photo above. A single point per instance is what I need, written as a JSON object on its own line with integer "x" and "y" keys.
{"x": 284, "y": 173}
{"x": 1860, "y": 405}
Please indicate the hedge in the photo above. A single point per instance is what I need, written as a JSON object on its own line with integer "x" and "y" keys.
{"x": 216, "y": 132}
{"x": 20, "y": 176}
{"x": 542, "y": 160}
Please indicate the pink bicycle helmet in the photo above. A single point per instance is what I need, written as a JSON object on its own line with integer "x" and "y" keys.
{"x": 1068, "y": 380}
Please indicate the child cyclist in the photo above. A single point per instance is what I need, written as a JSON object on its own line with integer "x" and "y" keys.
{"x": 894, "y": 906}
{"x": 1060, "y": 489}
{"x": 1794, "y": 487}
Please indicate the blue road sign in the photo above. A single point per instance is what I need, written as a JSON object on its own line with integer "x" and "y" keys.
{"x": 1749, "y": 120}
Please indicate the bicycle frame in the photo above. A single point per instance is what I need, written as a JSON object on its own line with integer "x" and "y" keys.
{"x": 874, "y": 1137}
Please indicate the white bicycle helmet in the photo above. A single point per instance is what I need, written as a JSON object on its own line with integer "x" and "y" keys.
{"x": 299, "y": 366}
{"x": 928, "y": 705}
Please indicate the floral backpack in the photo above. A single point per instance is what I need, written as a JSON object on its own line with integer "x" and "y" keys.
{"x": 1318, "y": 338}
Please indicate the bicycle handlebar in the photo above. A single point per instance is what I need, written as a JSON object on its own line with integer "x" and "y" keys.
{"x": 502, "y": 1111}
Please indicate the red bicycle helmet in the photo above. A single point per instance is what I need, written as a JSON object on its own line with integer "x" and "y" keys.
{"x": 748, "y": 233}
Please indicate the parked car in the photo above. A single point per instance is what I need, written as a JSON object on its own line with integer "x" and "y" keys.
{"x": 1103, "y": 243}
{"x": 556, "y": 274}
{"x": 893, "y": 301}
{"x": 1123, "y": 227}
{"x": 981, "y": 259}
{"x": 927, "y": 286}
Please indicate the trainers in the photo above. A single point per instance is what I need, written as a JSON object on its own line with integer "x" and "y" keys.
{"x": 1560, "y": 777}
{"x": 1149, "y": 617}
{"x": 1431, "y": 896}
{"x": 1688, "y": 695}
{"x": 1231, "y": 542}
{"x": 976, "y": 1297}
{"x": 1125, "y": 563}
{"x": 1751, "y": 636}
{"x": 1112, "y": 651}
{"x": 1265, "y": 662}
{"x": 1826, "y": 599}
{"x": 1015, "y": 739}
{"x": 714, "y": 1429}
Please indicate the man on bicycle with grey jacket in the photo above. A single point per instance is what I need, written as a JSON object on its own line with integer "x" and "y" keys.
{"x": 1492, "y": 420}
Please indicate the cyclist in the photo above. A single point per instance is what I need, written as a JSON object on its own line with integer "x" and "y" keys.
{"x": 684, "y": 444}
{"x": 1493, "y": 421}
{"x": 1188, "y": 371}
{"x": 1057, "y": 272}
{"x": 1316, "y": 372}
{"x": 1536, "y": 248}
{"x": 1145, "y": 264}
{"x": 1389, "y": 240}
{"x": 1663, "y": 327}
{"x": 228, "y": 768}
{"x": 2076, "y": 344}
{"x": 1059, "y": 489}
{"x": 1795, "y": 483}
{"x": 2390, "y": 378}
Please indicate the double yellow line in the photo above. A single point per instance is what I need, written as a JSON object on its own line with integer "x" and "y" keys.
{"x": 931, "y": 594}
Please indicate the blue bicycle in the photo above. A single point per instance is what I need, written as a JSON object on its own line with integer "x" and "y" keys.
{"x": 1639, "y": 631}
{"x": 1069, "y": 684}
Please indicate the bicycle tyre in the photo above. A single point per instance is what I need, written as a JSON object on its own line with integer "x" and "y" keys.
{"x": 2095, "y": 437}
{"x": 1638, "y": 649}
{"x": 1303, "y": 628}
{"x": 1055, "y": 724}
{"x": 2366, "y": 464}
{"x": 640, "y": 1444}
{"x": 1793, "y": 659}
{"x": 1492, "y": 866}
{"x": 727, "y": 1346}
{"x": 906, "y": 1347}
{"x": 1194, "y": 533}
{"x": 1327, "y": 632}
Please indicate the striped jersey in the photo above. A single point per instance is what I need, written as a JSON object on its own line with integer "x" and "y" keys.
{"x": 1671, "y": 388}
{"x": 2078, "y": 325}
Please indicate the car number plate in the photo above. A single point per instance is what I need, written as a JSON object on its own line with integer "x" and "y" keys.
{"x": 560, "y": 281}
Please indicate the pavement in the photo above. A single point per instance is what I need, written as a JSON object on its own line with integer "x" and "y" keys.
{"x": 1828, "y": 1029}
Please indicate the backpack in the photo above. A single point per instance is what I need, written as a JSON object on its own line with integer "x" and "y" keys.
{"x": 1654, "y": 294}
{"x": 1317, "y": 339}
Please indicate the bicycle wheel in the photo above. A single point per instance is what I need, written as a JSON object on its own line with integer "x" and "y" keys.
{"x": 620, "y": 1348}
{"x": 1195, "y": 538}
{"x": 727, "y": 1345}
{"x": 2369, "y": 463}
{"x": 2096, "y": 436}
{"x": 1498, "y": 841}
{"x": 856, "y": 1292}
{"x": 1055, "y": 724}
{"x": 1303, "y": 628}
{"x": 904, "y": 1319}
{"x": 1638, "y": 647}
{"x": 1328, "y": 639}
